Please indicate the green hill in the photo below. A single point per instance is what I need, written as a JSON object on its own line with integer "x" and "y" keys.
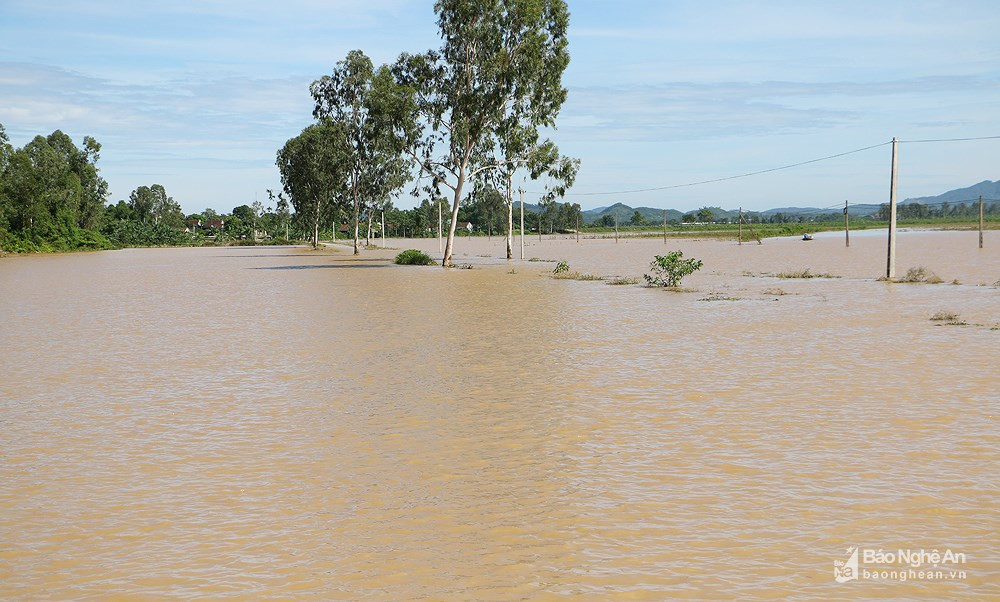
{"x": 625, "y": 213}
{"x": 989, "y": 190}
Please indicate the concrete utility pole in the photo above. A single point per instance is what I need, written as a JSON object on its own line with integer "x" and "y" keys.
{"x": 440, "y": 249}
{"x": 847, "y": 231}
{"x": 616, "y": 228}
{"x": 890, "y": 270}
{"x": 741, "y": 226}
{"x": 980, "y": 221}
{"x": 383, "y": 229}
{"x": 521, "y": 190}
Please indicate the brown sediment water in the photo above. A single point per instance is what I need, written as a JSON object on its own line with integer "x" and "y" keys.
{"x": 277, "y": 422}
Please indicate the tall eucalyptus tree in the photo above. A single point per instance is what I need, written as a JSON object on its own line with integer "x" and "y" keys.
{"x": 314, "y": 169}
{"x": 371, "y": 111}
{"x": 498, "y": 57}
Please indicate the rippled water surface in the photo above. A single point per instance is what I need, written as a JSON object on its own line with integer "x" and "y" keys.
{"x": 277, "y": 422}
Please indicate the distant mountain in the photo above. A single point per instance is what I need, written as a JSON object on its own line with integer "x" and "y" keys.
{"x": 855, "y": 210}
{"x": 719, "y": 213}
{"x": 625, "y": 213}
{"x": 989, "y": 190}
{"x": 652, "y": 215}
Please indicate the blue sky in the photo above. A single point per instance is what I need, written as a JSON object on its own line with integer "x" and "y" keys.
{"x": 199, "y": 95}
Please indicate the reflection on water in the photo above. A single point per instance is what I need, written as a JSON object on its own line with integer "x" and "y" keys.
{"x": 278, "y": 422}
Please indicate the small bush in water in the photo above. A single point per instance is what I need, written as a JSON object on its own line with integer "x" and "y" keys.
{"x": 668, "y": 270}
{"x": 413, "y": 257}
{"x": 561, "y": 267}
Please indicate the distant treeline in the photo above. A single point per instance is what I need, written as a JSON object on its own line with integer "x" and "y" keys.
{"x": 52, "y": 198}
{"x": 939, "y": 210}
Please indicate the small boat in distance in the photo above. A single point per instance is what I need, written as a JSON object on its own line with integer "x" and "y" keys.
{"x": 807, "y": 236}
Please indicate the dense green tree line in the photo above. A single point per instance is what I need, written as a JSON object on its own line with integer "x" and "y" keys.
{"x": 52, "y": 198}
{"x": 939, "y": 210}
{"x": 51, "y": 194}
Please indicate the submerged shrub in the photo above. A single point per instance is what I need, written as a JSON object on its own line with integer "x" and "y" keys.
{"x": 920, "y": 274}
{"x": 943, "y": 316}
{"x": 623, "y": 281}
{"x": 806, "y": 273}
{"x": 668, "y": 270}
{"x": 561, "y": 267}
{"x": 413, "y": 257}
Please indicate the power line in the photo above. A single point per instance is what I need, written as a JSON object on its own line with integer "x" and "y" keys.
{"x": 773, "y": 169}
{"x": 743, "y": 175}
{"x": 950, "y": 139}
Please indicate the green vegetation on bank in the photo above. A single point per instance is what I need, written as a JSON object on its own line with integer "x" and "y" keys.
{"x": 52, "y": 198}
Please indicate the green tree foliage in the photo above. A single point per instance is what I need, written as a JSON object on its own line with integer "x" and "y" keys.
{"x": 122, "y": 211}
{"x": 499, "y": 59}
{"x": 413, "y": 257}
{"x": 150, "y": 218}
{"x": 315, "y": 171}
{"x": 141, "y": 203}
{"x": 282, "y": 212}
{"x": 151, "y": 204}
{"x": 51, "y": 195}
{"x": 136, "y": 233}
{"x": 637, "y": 219}
{"x": 668, "y": 270}
{"x": 165, "y": 209}
{"x": 968, "y": 209}
{"x": 374, "y": 118}
{"x": 243, "y": 212}
{"x": 486, "y": 209}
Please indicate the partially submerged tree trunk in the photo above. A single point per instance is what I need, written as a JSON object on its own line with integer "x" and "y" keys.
{"x": 357, "y": 250}
{"x": 510, "y": 216}
{"x": 315, "y": 237}
{"x": 449, "y": 246}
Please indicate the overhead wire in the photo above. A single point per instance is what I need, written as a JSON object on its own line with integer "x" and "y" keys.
{"x": 949, "y": 139}
{"x": 773, "y": 169}
{"x": 723, "y": 179}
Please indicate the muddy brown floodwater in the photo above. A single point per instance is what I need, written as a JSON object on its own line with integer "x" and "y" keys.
{"x": 277, "y": 422}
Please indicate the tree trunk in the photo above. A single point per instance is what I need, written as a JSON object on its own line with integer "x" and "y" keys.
{"x": 510, "y": 216}
{"x": 315, "y": 240}
{"x": 357, "y": 250}
{"x": 450, "y": 245}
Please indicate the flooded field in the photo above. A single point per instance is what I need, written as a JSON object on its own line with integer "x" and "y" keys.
{"x": 279, "y": 422}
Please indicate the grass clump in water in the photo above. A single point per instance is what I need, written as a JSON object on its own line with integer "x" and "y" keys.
{"x": 719, "y": 297}
{"x": 623, "y": 281}
{"x": 806, "y": 273}
{"x": 944, "y": 316}
{"x": 949, "y": 318}
{"x": 561, "y": 272}
{"x": 920, "y": 275}
{"x": 413, "y": 257}
{"x": 575, "y": 276}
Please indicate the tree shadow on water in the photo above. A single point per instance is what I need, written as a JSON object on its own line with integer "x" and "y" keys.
{"x": 323, "y": 266}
